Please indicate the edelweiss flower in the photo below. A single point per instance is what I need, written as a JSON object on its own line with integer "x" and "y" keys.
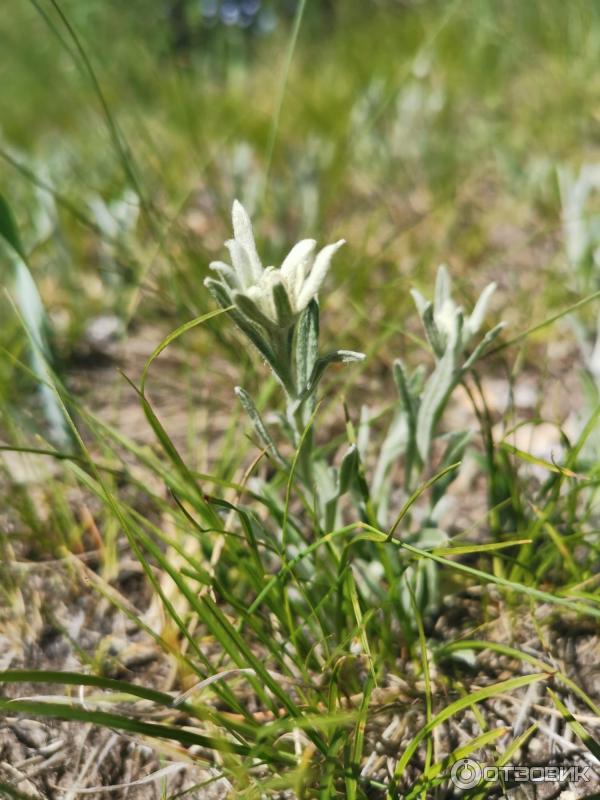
{"x": 271, "y": 296}
{"x": 446, "y": 312}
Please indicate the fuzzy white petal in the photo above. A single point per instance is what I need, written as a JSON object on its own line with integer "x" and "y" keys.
{"x": 262, "y": 301}
{"x": 445, "y": 316}
{"x": 442, "y": 286}
{"x": 295, "y": 266}
{"x": 241, "y": 263}
{"x": 226, "y": 272}
{"x": 242, "y": 230}
{"x": 264, "y": 291}
{"x": 475, "y": 321}
{"x": 298, "y": 253}
{"x": 420, "y": 301}
{"x": 254, "y": 293}
{"x": 317, "y": 274}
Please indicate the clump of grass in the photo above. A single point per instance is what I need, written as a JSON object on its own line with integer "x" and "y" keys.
{"x": 306, "y": 576}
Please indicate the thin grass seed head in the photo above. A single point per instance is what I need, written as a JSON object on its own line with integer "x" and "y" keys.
{"x": 271, "y": 296}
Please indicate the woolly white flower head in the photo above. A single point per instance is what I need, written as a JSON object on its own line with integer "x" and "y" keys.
{"x": 271, "y": 295}
{"x": 446, "y": 312}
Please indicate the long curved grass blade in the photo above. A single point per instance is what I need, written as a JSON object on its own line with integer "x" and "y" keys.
{"x": 160, "y": 774}
{"x": 426, "y": 671}
{"x": 452, "y": 709}
{"x": 358, "y": 742}
{"x": 118, "y": 140}
{"x": 284, "y": 81}
{"x": 153, "y": 730}
{"x": 540, "y": 462}
{"x": 512, "y": 652}
{"x": 82, "y": 679}
{"x": 286, "y": 568}
{"x": 541, "y": 325}
{"x": 592, "y": 745}
{"x": 416, "y": 494}
{"x": 436, "y": 773}
{"x": 489, "y": 547}
{"x": 538, "y": 594}
{"x": 187, "y": 326}
{"x": 506, "y": 756}
{"x": 125, "y": 688}
{"x": 189, "y": 479}
{"x": 8, "y": 228}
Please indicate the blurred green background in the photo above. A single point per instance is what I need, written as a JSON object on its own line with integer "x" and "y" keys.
{"x": 421, "y": 132}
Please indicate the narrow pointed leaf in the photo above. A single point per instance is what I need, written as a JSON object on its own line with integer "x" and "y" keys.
{"x": 431, "y": 330}
{"x": 478, "y": 314}
{"x": 285, "y": 313}
{"x": 8, "y": 228}
{"x": 258, "y": 425}
{"x": 442, "y": 286}
{"x": 482, "y": 346}
{"x": 249, "y": 308}
{"x": 307, "y": 343}
{"x": 335, "y": 357}
{"x": 348, "y": 470}
{"x": 434, "y": 398}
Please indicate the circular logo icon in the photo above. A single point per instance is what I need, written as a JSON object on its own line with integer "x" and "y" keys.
{"x": 466, "y": 773}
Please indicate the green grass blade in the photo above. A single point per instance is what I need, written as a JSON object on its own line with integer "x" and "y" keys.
{"x": 459, "y": 705}
{"x": 187, "y": 326}
{"x": 592, "y": 745}
{"x": 436, "y": 773}
{"x": 417, "y": 493}
{"x": 519, "y": 655}
{"x": 358, "y": 742}
{"x": 152, "y": 729}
